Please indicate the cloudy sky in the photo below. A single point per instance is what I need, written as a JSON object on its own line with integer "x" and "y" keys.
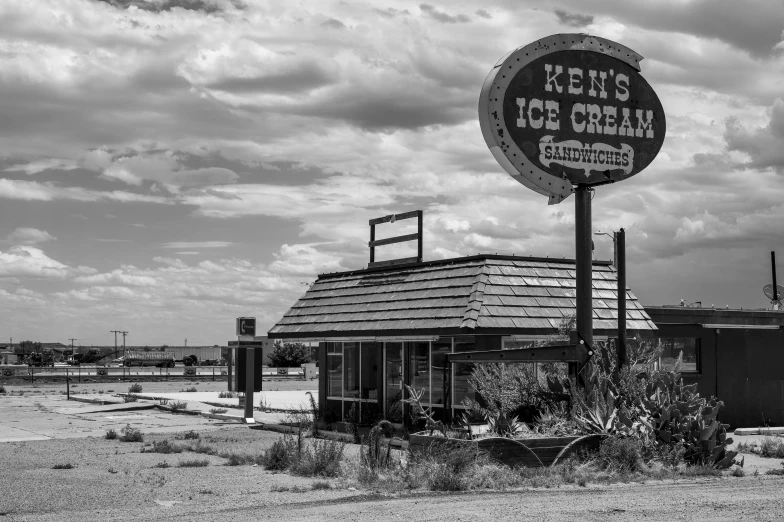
{"x": 169, "y": 165}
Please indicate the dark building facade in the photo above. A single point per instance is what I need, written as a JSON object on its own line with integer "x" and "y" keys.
{"x": 735, "y": 355}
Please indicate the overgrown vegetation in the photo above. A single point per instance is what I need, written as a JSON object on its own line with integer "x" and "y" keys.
{"x": 187, "y": 435}
{"x": 308, "y": 458}
{"x": 216, "y": 411}
{"x": 111, "y": 434}
{"x": 63, "y": 466}
{"x": 131, "y": 434}
{"x": 130, "y": 398}
{"x": 135, "y": 388}
{"x": 228, "y": 395}
{"x": 163, "y": 446}
{"x": 769, "y": 447}
{"x": 193, "y": 463}
{"x": 178, "y": 405}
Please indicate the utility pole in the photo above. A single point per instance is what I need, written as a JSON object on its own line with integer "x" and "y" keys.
{"x": 115, "y": 332}
{"x": 72, "y": 340}
{"x": 186, "y": 343}
{"x": 124, "y": 334}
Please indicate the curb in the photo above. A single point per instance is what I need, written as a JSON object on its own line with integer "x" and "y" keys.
{"x": 183, "y": 412}
{"x": 759, "y": 431}
{"x": 92, "y": 401}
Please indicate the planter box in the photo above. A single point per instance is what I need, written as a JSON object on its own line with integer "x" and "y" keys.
{"x": 515, "y": 452}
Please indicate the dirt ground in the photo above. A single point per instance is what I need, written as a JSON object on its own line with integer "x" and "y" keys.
{"x": 113, "y": 480}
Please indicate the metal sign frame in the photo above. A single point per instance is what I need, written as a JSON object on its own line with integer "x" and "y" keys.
{"x": 373, "y": 243}
{"x": 491, "y": 114}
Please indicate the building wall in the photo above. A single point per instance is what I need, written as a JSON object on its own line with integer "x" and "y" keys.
{"x": 743, "y": 367}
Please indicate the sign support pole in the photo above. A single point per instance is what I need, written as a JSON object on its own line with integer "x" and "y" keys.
{"x": 583, "y": 261}
{"x": 249, "y": 382}
{"x": 621, "y": 266}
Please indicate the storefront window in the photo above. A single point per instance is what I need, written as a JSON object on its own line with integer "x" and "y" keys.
{"x": 334, "y": 370}
{"x": 393, "y": 379}
{"x": 351, "y": 370}
{"x": 419, "y": 368}
{"x": 369, "y": 373}
{"x": 462, "y": 372}
{"x": 438, "y": 369}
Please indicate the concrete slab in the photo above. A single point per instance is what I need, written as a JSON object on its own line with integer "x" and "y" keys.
{"x": 760, "y": 431}
{"x": 272, "y": 400}
{"x": 105, "y": 408}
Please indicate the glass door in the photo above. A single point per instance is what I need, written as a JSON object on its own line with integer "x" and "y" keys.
{"x": 393, "y": 382}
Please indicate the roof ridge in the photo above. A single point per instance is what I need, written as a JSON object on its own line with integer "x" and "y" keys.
{"x": 476, "y": 298}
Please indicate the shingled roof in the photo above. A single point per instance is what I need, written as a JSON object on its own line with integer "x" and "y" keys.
{"x": 483, "y": 294}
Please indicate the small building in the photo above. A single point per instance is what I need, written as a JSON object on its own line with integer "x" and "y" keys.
{"x": 382, "y": 327}
{"x": 735, "y": 355}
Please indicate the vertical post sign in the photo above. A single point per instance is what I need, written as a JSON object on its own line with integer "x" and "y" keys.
{"x": 246, "y": 331}
{"x": 565, "y": 114}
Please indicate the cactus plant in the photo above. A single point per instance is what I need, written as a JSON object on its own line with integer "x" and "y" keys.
{"x": 675, "y": 415}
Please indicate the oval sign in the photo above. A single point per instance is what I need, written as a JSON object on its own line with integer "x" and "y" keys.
{"x": 571, "y": 110}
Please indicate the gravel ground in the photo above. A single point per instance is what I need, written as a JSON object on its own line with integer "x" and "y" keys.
{"x": 115, "y": 480}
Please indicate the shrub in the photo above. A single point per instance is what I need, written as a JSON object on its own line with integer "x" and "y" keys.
{"x": 63, "y": 466}
{"x": 179, "y": 405}
{"x": 130, "y": 434}
{"x": 163, "y": 446}
{"x": 320, "y": 458}
{"x": 280, "y": 455}
{"x": 111, "y": 434}
{"x": 237, "y": 459}
{"x": 227, "y": 395}
{"x": 188, "y": 435}
{"x": 203, "y": 448}
{"x": 216, "y": 411}
{"x": 193, "y": 463}
{"x": 321, "y": 484}
{"x": 772, "y": 448}
{"x": 192, "y": 389}
{"x": 622, "y": 455}
{"x": 447, "y": 467}
{"x": 163, "y": 464}
{"x": 2, "y": 388}
{"x": 130, "y": 398}
{"x": 135, "y": 388}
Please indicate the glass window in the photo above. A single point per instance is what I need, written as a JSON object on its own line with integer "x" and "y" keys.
{"x": 334, "y": 370}
{"x": 672, "y": 347}
{"x": 438, "y": 366}
{"x": 419, "y": 368}
{"x": 351, "y": 370}
{"x": 369, "y": 373}
{"x": 394, "y": 382}
{"x": 462, "y": 372}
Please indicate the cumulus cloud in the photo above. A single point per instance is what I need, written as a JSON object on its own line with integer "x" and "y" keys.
{"x": 29, "y": 236}
{"x": 440, "y": 16}
{"x": 34, "y": 167}
{"x": 573, "y": 20}
{"x": 764, "y": 145}
{"x": 31, "y": 262}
